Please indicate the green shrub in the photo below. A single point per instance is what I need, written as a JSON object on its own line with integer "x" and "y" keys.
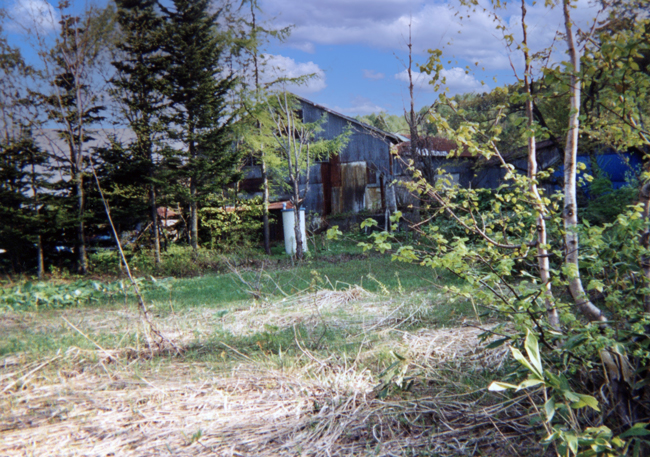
{"x": 225, "y": 227}
{"x": 49, "y": 295}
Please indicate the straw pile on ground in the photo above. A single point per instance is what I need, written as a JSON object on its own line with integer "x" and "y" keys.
{"x": 100, "y": 403}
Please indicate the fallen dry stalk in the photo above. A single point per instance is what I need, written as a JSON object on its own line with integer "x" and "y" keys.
{"x": 323, "y": 405}
{"x": 320, "y": 409}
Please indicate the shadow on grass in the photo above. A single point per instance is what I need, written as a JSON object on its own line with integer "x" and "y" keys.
{"x": 275, "y": 344}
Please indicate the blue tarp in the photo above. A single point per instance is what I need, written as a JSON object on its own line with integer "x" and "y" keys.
{"x": 619, "y": 167}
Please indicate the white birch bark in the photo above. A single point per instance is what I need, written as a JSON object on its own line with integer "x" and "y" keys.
{"x": 540, "y": 208}
{"x": 570, "y": 214}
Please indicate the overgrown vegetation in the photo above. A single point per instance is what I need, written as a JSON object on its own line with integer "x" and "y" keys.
{"x": 579, "y": 287}
{"x": 349, "y": 342}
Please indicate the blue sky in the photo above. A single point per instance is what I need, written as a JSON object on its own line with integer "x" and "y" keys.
{"x": 358, "y": 48}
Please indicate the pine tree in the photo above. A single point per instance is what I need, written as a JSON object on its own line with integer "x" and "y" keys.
{"x": 74, "y": 106}
{"x": 23, "y": 171}
{"x": 22, "y": 184}
{"x": 197, "y": 90}
{"x": 138, "y": 86}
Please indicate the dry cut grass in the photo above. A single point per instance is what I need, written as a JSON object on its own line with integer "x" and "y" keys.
{"x": 121, "y": 402}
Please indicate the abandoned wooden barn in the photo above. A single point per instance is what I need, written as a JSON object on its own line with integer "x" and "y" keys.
{"x": 355, "y": 180}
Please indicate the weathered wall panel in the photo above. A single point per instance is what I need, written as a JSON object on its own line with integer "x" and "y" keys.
{"x": 353, "y": 178}
{"x": 337, "y": 206}
{"x": 373, "y": 199}
{"x": 314, "y": 199}
{"x": 345, "y": 177}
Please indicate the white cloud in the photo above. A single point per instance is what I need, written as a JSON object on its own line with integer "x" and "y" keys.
{"x": 33, "y": 15}
{"x": 277, "y": 66}
{"x": 360, "y": 106}
{"x": 456, "y": 81}
{"x": 459, "y": 82}
{"x": 385, "y": 24}
{"x": 420, "y": 80}
{"x": 305, "y": 46}
{"x": 468, "y": 35}
{"x": 372, "y": 74}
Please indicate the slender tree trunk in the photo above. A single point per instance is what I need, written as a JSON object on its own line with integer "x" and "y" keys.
{"x": 413, "y": 131}
{"x": 194, "y": 218}
{"x": 154, "y": 221}
{"x": 645, "y": 240}
{"x": 297, "y": 226}
{"x": 265, "y": 207}
{"x": 81, "y": 241}
{"x": 265, "y": 175}
{"x": 615, "y": 365}
{"x": 542, "y": 240}
{"x": 570, "y": 213}
{"x": 542, "y": 251}
{"x": 148, "y": 145}
{"x": 39, "y": 239}
{"x": 41, "y": 262}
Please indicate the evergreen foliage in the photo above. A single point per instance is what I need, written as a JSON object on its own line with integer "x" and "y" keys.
{"x": 139, "y": 87}
{"x": 197, "y": 88}
{"x": 22, "y": 207}
{"x": 23, "y": 167}
{"x": 74, "y": 106}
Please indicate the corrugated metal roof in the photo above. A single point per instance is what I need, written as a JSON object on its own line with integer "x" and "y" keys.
{"x": 432, "y": 146}
{"x": 393, "y": 137}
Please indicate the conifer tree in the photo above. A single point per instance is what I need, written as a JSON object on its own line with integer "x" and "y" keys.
{"x": 22, "y": 182}
{"x": 254, "y": 125}
{"x": 74, "y": 106}
{"x": 23, "y": 171}
{"x": 197, "y": 90}
{"x": 138, "y": 86}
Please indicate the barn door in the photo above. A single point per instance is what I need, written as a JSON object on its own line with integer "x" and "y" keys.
{"x": 353, "y": 186}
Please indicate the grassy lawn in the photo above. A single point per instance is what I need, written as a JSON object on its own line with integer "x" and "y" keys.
{"x": 371, "y": 273}
{"x": 326, "y": 357}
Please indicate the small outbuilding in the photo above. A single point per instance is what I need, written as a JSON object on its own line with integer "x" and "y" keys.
{"x": 358, "y": 179}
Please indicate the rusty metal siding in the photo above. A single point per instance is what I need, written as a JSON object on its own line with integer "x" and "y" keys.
{"x": 363, "y": 145}
{"x": 335, "y": 173}
{"x": 326, "y": 179}
{"x": 354, "y": 180}
{"x": 353, "y": 186}
{"x": 374, "y": 199}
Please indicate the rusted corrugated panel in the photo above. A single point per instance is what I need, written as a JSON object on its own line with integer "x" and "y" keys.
{"x": 337, "y": 207}
{"x": 353, "y": 180}
{"x": 326, "y": 177}
{"x": 373, "y": 198}
{"x": 335, "y": 170}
